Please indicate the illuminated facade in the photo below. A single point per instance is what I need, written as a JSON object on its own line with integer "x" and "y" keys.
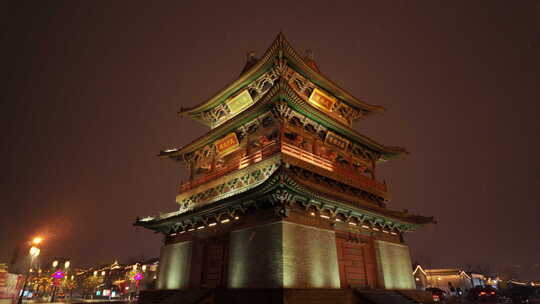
{"x": 443, "y": 279}
{"x": 282, "y": 191}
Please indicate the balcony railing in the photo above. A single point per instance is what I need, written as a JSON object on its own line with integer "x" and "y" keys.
{"x": 235, "y": 164}
{"x": 342, "y": 171}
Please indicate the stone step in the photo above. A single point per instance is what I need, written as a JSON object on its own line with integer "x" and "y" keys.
{"x": 383, "y": 297}
{"x": 271, "y": 296}
{"x": 173, "y": 296}
{"x": 318, "y": 296}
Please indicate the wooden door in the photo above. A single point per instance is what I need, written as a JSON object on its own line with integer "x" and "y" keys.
{"x": 215, "y": 262}
{"x": 356, "y": 260}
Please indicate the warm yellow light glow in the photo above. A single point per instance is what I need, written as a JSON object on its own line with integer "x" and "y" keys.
{"x": 225, "y": 221}
{"x": 393, "y": 233}
{"x": 103, "y": 273}
{"x": 212, "y": 224}
{"x": 352, "y": 223}
{"x": 173, "y": 234}
{"x": 417, "y": 279}
{"x": 365, "y": 226}
{"x": 338, "y": 220}
{"x": 325, "y": 216}
{"x": 385, "y": 231}
{"x": 201, "y": 227}
{"x": 37, "y": 240}
{"x": 55, "y": 263}
{"x": 143, "y": 268}
{"x": 375, "y": 229}
{"x": 191, "y": 229}
{"x": 183, "y": 231}
{"x": 66, "y": 264}
{"x": 95, "y": 273}
{"x": 439, "y": 279}
{"x": 31, "y": 270}
{"x": 312, "y": 214}
{"x": 34, "y": 251}
{"x": 236, "y": 217}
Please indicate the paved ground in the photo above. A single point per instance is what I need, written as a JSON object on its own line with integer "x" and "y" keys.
{"x": 75, "y": 301}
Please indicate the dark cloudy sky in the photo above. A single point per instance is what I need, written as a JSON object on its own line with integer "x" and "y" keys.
{"x": 90, "y": 91}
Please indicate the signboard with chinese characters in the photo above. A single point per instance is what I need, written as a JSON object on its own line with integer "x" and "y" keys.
{"x": 322, "y": 100}
{"x": 239, "y": 102}
{"x": 10, "y": 287}
{"x": 58, "y": 274}
{"x": 336, "y": 141}
{"x": 227, "y": 144}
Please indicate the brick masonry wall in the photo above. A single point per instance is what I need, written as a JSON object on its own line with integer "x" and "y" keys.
{"x": 174, "y": 268}
{"x": 309, "y": 257}
{"x": 255, "y": 257}
{"x": 394, "y": 265}
{"x": 283, "y": 254}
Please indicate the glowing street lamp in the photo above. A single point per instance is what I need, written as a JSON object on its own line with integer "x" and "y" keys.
{"x": 54, "y": 264}
{"x": 34, "y": 252}
{"x": 37, "y": 240}
{"x": 66, "y": 264}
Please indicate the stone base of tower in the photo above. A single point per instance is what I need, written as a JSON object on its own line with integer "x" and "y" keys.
{"x": 293, "y": 253}
{"x": 272, "y": 255}
{"x": 282, "y": 255}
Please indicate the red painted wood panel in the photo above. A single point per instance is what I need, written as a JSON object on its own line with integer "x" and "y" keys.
{"x": 356, "y": 260}
{"x": 214, "y": 266}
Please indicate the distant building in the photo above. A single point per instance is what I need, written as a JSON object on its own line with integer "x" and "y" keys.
{"x": 121, "y": 281}
{"x": 443, "y": 279}
{"x": 10, "y": 285}
{"x": 477, "y": 279}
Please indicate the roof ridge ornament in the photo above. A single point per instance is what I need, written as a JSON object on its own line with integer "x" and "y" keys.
{"x": 309, "y": 59}
{"x": 251, "y": 60}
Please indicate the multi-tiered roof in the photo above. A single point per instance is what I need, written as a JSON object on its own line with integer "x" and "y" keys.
{"x": 282, "y": 132}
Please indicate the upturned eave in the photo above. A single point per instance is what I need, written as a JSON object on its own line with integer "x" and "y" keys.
{"x": 282, "y": 90}
{"x": 279, "y": 48}
{"x": 282, "y": 180}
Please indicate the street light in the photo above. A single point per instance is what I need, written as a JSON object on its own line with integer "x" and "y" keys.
{"x": 34, "y": 252}
{"x": 66, "y": 264}
{"x": 54, "y": 264}
{"x": 37, "y": 240}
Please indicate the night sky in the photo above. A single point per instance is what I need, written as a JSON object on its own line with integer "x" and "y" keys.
{"x": 90, "y": 92}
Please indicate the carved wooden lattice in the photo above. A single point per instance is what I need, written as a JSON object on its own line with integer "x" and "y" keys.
{"x": 304, "y": 88}
{"x": 221, "y": 113}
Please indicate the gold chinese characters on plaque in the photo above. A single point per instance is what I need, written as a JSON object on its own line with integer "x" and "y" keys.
{"x": 336, "y": 141}
{"x": 227, "y": 144}
{"x": 322, "y": 100}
